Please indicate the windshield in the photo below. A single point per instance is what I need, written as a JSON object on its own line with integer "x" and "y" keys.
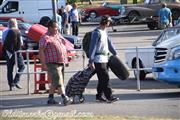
{"x": 166, "y": 35}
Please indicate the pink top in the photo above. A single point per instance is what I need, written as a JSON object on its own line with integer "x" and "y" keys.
{"x": 55, "y": 50}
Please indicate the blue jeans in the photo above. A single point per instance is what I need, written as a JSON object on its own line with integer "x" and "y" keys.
{"x": 10, "y": 65}
{"x": 75, "y": 28}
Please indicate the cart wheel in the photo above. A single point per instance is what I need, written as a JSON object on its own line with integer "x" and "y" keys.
{"x": 81, "y": 99}
{"x": 72, "y": 100}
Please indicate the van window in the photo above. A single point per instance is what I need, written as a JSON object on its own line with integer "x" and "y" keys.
{"x": 10, "y": 7}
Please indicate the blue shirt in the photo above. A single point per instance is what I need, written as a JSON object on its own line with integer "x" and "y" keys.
{"x": 74, "y": 15}
{"x": 164, "y": 15}
{"x": 4, "y": 35}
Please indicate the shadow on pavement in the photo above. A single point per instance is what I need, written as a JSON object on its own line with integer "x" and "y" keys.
{"x": 90, "y": 99}
{"x": 131, "y": 83}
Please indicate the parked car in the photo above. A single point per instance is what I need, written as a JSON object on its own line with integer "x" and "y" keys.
{"x": 36, "y": 31}
{"x": 139, "y": 12}
{"x": 167, "y": 61}
{"x": 89, "y": 14}
{"x": 145, "y": 54}
{"x": 23, "y": 26}
{"x": 31, "y": 44}
{"x": 27, "y": 45}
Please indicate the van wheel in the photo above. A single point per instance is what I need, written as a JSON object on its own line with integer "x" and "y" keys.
{"x": 142, "y": 74}
{"x": 44, "y": 21}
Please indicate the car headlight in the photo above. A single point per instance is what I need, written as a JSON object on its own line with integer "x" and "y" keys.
{"x": 174, "y": 53}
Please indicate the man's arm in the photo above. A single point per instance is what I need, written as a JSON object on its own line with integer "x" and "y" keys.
{"x": 170, "y": 17}
{"x": 92, "y": 49}
{"x": 42, "y": 58}
{"x": 111, "y": 47}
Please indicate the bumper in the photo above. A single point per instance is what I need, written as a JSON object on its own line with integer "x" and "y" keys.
{"x": 168, "y": 72}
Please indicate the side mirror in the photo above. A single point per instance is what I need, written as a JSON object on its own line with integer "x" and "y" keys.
{"x": 154, "y": 43}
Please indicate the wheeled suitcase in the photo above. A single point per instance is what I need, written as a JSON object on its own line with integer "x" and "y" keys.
{"x": 36, "y": 31}
{"x": 118, "y": 67}
{"x": 78, "y": 82}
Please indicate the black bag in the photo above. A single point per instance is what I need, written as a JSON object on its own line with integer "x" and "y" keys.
{"x": 86, "y": 43}
{"x": 78, "y": 82}
{"x": 118, "y": 67}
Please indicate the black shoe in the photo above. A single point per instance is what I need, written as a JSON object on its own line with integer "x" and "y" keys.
{"x": 100, "y": 98}
{"x": 66, "y": 100}
{"x": 52, "y": 102}
{"x": 17, "y": 86}
{"x": 112, "y": 99}
{"x": 11, "y": 88}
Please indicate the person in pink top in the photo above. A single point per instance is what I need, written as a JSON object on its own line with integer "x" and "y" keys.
{"x": 53, "y": 56}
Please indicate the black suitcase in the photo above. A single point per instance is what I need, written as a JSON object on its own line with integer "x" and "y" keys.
{"x": 118, "y": 67}
{"x": 78, "y": 82}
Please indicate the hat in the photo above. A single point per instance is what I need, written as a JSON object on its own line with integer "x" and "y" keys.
{"x": 105, "y": 19}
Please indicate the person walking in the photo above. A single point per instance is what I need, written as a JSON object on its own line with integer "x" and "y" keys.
{"x": 13, "y": 43}
{"x": 68, "y": 7}
{"x": 53, "y": 56}
{"x": 100, "y": 47}
{"x": 165, "y": 17}
{"x": 65, "y": 24}
{"x": 59, "y": 21}
{"x": 75, "y": 19}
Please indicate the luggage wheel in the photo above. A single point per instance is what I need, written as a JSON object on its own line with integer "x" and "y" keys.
{"x": 81, "y": 99}
{"x": 72, "y": 99}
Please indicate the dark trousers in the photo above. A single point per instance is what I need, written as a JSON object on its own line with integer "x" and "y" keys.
{"x": 10, "y": 65}
{"x": 75, "y": 28}
{"x": 103, "y": 80}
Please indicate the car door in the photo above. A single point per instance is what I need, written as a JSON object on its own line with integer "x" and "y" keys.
{"x": 109, "y": 11}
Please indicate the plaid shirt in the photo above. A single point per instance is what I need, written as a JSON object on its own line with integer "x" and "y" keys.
{"x": 54, "y": 49}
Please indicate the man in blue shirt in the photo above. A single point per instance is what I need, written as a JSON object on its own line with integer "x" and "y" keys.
{"x": 165, "y": 17}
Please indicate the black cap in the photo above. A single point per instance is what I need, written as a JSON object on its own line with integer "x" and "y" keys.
{"x": 105, "y": 19}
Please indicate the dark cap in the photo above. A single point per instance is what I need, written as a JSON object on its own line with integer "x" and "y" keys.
{"x": 105, "y": 19}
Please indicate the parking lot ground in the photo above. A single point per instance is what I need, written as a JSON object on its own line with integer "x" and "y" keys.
{"x": 157, "y": 100}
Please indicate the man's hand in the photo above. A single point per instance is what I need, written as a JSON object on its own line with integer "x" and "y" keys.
{"x": 91, "y": 65}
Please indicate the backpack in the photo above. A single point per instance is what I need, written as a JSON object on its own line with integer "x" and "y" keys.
{"x": 86, "y": 42}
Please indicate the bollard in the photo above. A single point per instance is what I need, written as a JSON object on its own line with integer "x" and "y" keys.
{"x": 137, "y": 69}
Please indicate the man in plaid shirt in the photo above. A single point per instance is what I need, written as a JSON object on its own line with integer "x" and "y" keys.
{"x": 53, "y": 56}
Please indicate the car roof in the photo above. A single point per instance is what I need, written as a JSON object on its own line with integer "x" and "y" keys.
{"x": 7, "y": 18}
